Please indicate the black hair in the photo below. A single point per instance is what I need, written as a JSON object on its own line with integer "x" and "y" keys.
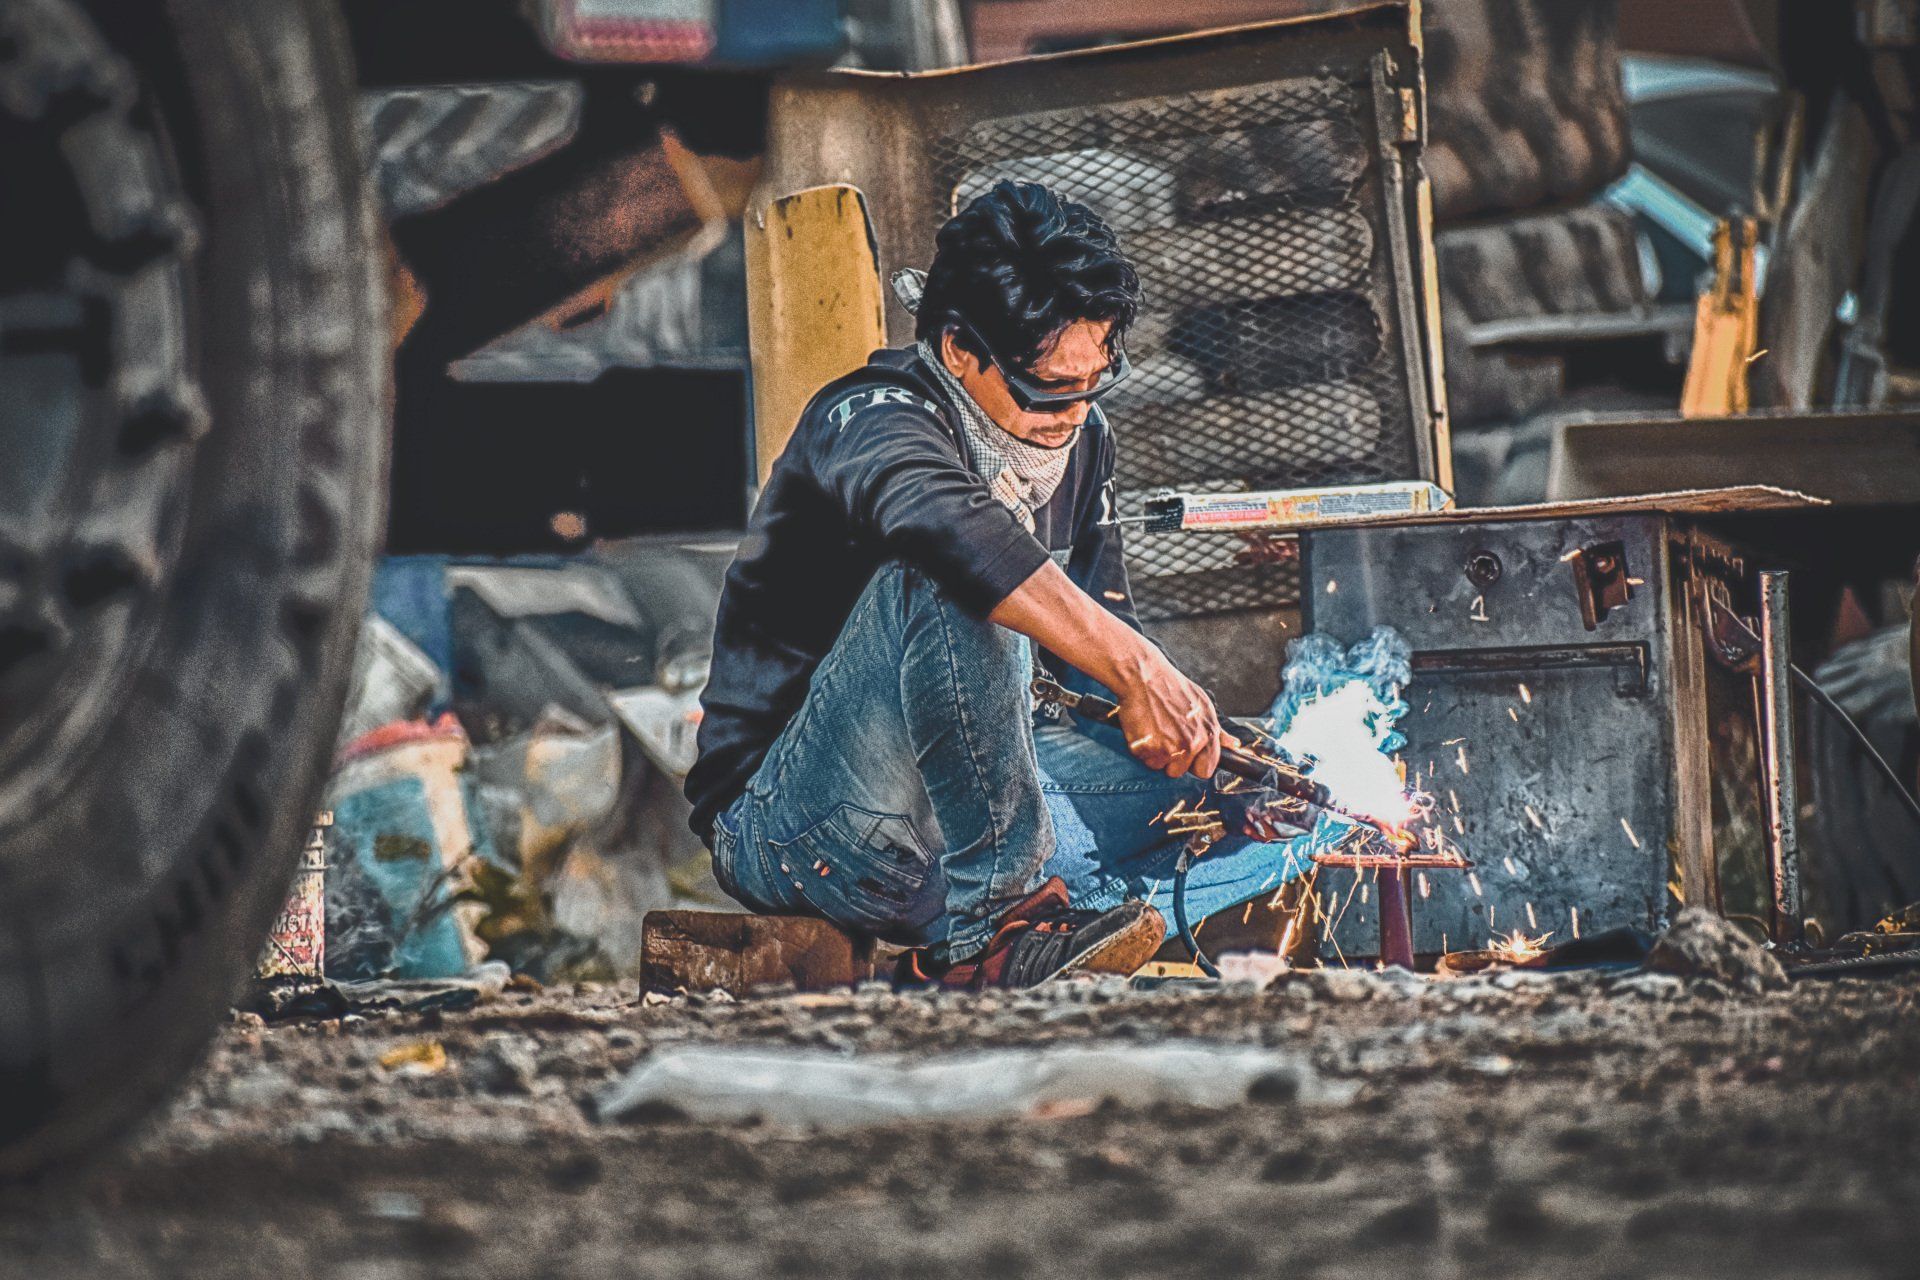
{"x": 1019, "y": 264}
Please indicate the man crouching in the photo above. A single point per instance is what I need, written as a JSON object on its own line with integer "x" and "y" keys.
{"x": 869, "y": 751}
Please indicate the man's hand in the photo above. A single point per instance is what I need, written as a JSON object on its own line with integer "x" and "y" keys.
{"x": 1170, "y": 722}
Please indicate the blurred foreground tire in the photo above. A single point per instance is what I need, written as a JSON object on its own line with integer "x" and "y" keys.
{"x": 193, "y": 397}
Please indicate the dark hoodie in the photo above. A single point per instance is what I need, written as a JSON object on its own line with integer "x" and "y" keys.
{"x": 876, "y": 471}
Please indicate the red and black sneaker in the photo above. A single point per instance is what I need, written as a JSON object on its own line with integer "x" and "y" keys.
{"x": 1043, "y": 937}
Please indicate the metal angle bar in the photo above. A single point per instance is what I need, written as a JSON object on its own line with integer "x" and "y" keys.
{"x": 1631, "y": 657}
{"x": 1387, "y": 109}
{"x": 1776, "y": 702}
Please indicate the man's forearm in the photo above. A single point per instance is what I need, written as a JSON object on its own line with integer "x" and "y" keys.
{"x": 1169, "y": 721}
{"x": 1065, "y": 620}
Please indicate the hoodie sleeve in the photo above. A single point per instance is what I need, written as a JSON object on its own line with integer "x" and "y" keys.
{"x": 884, "y": 457}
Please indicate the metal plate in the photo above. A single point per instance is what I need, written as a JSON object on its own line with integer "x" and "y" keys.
{"x": 1854, "y": 458}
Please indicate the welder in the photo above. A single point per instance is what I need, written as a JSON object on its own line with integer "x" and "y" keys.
{"x": 940, "y": 521}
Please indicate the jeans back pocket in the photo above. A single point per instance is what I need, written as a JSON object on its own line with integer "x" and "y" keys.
{"x": 865, "y": 870}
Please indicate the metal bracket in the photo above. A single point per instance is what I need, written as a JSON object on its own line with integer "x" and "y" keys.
{"x": 1730, "y": 637}
{"x": 1602, "y": 582}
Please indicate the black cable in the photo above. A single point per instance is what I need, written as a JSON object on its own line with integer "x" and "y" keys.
{"x": 1180, "y": 870}
{"x": 1826, "y": 700}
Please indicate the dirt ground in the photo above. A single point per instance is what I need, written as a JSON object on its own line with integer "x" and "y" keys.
{"x": 1513, "y": 1126}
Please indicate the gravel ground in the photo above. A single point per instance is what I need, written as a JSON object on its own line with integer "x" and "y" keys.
{"x": 1512, "y": 1126}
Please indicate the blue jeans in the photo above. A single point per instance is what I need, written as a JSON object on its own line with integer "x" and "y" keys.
{"x": 911, "y": 798}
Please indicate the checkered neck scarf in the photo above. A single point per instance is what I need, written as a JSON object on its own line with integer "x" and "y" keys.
{"x": 1021, "y": 475}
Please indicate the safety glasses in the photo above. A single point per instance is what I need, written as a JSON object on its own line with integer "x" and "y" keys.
{"x": 1037, "y": 397}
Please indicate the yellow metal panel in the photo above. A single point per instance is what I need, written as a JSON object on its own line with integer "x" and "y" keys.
{"x": 1726, "y": 327}
{"x": 815, "y": 307}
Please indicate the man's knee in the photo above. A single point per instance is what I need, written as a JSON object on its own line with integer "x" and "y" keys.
{"x": 978, "y": 650}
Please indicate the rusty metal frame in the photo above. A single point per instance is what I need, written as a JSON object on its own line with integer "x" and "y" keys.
{"x": 873, "y": 130}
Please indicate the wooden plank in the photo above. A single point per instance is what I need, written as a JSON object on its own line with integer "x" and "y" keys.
{"x": 815, "y": 306}
{"x": 735, "y": 952}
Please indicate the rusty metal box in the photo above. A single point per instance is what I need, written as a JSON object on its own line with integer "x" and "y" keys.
{"x": 1585, "y": 752}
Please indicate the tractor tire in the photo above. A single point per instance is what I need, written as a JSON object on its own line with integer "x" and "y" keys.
{"x": 1525, "y": 102}
{"x": 194, "y": 373}
{"x": 1580, "y": 261}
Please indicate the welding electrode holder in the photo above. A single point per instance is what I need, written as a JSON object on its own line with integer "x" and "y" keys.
{"x": 1239, "y": 760}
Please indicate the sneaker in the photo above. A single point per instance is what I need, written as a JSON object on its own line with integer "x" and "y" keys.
{"x": 1043, "y": 937}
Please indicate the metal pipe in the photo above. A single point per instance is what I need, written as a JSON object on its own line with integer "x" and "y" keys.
{"x": 1776, "y": 703}
{"x": 1396, "y": 923}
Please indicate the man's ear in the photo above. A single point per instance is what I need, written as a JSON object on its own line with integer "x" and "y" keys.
{"x": 955, "y": 357}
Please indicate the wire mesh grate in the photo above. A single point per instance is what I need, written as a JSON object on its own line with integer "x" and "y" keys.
{"x": 1260, "y": 356}
{"x": 1185, "y": 575}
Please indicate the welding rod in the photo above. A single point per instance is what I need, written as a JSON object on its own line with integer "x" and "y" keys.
{"x": 1287, "y": 509}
